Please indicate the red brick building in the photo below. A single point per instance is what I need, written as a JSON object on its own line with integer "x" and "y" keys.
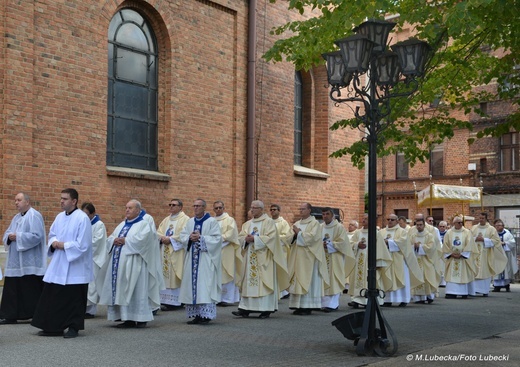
{"x": 490, "y": 163}
{"x": 149, "y": 100}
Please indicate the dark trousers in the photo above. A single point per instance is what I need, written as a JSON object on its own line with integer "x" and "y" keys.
{"x": 20, "y": 297}
{"x": 60, "y": 307}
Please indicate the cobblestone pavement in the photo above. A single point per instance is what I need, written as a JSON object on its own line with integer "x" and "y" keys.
{"x": 477, "y": 327}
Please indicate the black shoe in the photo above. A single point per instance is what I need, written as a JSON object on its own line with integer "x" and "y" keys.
{"x": 140, "y": 324}
{"x": 128, "y": 324}
{"x": 204, "y": 320}
{"x": 302, "y": 311}
{"x": 387, "y": 304}
{"x": 50, "y": 333}
{"x": 224, "y": 304}
{"x": 403, "y": 304}
{"x": 89, "y": 316}
{"x": 429, "y": 300}
{"x": 154, "y": 312}
{"x": 328, "y": 309}
{"x": 451, "y": 296}
{"x": 485, "y": 295}
{"x": 241, "y": 313}
{"x": 508, "y": 288}
{"x": 286, "y": 296}
{"x": 8, "y": 322}
{"x": 354, "y": 304}
{"x": 463, "y": 297}
{"x": 71, "y": 333}
{"x": 195, "y": 321}
{"x": 171, "y": 307}
{"x": 420, "y": 302}
{"x": 345, "y": 291}
{"x": 264, "y": 315}
{"x": 496, "y": 289}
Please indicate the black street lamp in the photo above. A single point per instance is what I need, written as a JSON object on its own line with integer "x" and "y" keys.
{"x": 389, "y": 74}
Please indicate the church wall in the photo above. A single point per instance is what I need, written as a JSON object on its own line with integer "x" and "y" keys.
{"x": 54, "y": 124}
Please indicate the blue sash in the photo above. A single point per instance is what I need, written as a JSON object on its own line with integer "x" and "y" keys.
{"x": 117, "y": 252}
{"x": 195, "y": 253}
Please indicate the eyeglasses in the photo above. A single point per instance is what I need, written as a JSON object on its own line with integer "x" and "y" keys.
{"x": 390, "y": 219}
{"x": 173, "y": 205}
{"x": 457, "y": 222}
{"x": 273, "y": 210}
{"x": 218, "y": 208}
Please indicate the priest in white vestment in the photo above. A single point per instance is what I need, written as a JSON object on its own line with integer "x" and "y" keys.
{"x": 63, "y": 300}
{"x": 308, "y": 273}
{"x": 285, "y": 234}
{"x": 132, "y": 278}
{"x": 231, "y": 255}
{"x": 505, "y": 278}
{"x": 339, "y": 257}
{"x": 25, "y": 264}
{"x": 428, "y": 254}
{"x": 404, "y": 270}
{"x": 460, "y": 253}
{"x": 352, "y": 227}
{"x": 492, "y": 259}
{"x": 264, "y": 269}
{"x": 173, "y": 254}
{"x": 99, "y": 253}
{"x": 358, "y": 283}
{"x": 201, "y": 286}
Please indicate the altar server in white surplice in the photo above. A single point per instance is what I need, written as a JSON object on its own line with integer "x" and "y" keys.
{"x": 201, "y": 285}
{"x": 132, "y": 277}
{"x": 26, "y": 262}
{"x": 99, "y": 253}
{"x": 63, "y": 301}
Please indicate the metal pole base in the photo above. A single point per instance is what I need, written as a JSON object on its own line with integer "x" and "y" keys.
{"x": 375, "y": 341}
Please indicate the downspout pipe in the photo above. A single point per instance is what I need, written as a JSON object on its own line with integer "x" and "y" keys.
{"x": 251, "y": 104}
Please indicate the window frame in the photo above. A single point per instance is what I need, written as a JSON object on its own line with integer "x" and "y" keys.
{"x": 400, "y": 165}
{"x": 132, "y": 128}
{"x": 514, "y": 152}
{"x": 298, "y": 118}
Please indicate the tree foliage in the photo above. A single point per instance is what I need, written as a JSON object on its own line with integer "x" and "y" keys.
{"x": 466, "y": 37}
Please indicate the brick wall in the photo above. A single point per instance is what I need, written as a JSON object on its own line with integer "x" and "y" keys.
{"x": 54, "y": 95}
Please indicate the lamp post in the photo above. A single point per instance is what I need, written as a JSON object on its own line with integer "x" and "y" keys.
{"x": 389, "y": 74}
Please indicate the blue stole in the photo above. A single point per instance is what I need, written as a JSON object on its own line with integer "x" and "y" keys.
{"x": 95, "y": 219}
{"x": 117, "y": 252}
{"x": 442, "y": 236}
{"x": 195, "y": 252}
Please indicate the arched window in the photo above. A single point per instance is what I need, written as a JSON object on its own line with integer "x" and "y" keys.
{"x": 132, "y": 92}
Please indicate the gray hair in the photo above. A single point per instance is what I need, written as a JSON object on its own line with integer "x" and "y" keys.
{"x": 137, "y": 203}
{"x": 258, "y": 203}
